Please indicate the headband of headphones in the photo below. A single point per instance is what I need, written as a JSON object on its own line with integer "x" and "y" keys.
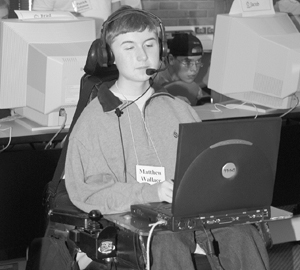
{"x": 106, "y": 56}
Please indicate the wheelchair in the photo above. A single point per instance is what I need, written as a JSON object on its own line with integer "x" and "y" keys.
{"x": 102, "y": 240}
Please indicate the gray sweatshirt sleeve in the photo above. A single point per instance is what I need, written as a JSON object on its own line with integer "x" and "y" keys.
{"x": 91, "y": 186}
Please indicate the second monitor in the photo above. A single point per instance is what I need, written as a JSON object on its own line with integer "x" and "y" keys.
{"x": 257, "y": 60}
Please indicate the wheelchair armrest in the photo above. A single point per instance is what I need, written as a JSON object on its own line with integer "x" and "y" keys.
{"x": 64, "y": 211}
{"x": 70, "y": 216}
{"x": 92, "y": 234}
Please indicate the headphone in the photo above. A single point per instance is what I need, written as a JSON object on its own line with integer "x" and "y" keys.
{"x": 100, "y": 54}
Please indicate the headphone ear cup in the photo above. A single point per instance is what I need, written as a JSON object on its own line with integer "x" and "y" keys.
{"x": 110, "y": 56}
{"x": 105, "y": 55}
{"x": 163, "y": 49}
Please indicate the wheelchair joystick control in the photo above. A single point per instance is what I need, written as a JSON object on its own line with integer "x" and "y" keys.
{"x": 95, "y": 215}
{"x": 94, "y": 225}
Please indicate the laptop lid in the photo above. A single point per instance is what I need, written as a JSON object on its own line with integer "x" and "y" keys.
{"x": 225, "y": 165}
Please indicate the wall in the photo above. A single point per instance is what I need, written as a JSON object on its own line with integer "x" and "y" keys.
{"x": 186, "y": 12}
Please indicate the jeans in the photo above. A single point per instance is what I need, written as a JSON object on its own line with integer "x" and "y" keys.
{"x": 240, "y": 248}
{"x": 173, "y": 251}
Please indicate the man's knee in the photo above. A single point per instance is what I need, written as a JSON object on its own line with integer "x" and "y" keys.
{"x": 178, "y": 239}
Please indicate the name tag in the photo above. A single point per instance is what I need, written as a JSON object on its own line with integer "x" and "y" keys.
{"x": 250, "y": 8}
{"x": 150, "y": 174}
{"x": 81, "y": 6}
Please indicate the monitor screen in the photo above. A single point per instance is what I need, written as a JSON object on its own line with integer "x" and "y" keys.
{"x": 41, "y": 64}
{"x": 256, "y": 60}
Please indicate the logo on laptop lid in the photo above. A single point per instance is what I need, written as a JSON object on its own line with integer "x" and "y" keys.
{"x": 229, "y": 170}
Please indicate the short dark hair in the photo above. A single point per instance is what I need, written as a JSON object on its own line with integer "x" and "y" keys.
{"x": 130, "y": 21}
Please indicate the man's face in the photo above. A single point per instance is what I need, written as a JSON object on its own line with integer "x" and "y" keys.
{"x": 135, "y": 52}
{"x": 186, "y": 68}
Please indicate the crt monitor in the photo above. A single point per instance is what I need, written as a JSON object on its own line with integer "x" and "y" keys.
{"x": 256, "y": 60}
{"x": 41, "y": 64}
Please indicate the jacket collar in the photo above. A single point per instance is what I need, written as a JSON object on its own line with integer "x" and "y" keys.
{"x": 107, "y": 99}
{"x": 110, "y": 102}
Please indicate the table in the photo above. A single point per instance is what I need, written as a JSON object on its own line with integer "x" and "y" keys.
{"x": 208, "y": 112}
{"x": 22, "y": 135}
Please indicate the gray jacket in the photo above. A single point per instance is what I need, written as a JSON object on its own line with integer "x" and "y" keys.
{"x": 104, "y": 147}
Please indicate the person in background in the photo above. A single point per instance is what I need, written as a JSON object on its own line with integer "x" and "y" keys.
{"x": 132, "y": 3}
{"x": 97, "y": 9}
{"x": 183, "y": 65}
{"x": 4, "y": 8}
{"x": 287, "y": 6}
{"x": 132, "y": 127}
{"x": 215, "y": 96}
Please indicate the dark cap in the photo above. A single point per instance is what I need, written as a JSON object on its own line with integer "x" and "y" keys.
{"x": 184, "y": 44}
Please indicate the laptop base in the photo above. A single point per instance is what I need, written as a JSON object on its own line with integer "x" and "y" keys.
{"x": 207, "y": 221}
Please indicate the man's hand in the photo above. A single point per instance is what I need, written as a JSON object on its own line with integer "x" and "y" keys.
{"x": 165, "y": 191}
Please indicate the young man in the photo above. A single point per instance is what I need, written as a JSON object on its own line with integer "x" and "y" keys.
{"x": 184, "y": 63}
{"x": 130, "y": 126}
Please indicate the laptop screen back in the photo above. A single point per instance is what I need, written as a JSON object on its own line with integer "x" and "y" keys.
{"x": 225, "y": 165}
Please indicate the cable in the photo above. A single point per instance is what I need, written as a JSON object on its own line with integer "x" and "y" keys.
{"x": 151, "y": 81}
{"x": 211, "y": 246}
{"x": 210, "y": 251}
{"x": 63, "y": 141}
{"x": 218, "y": 251}
{"x": 10, "y": 118}
{"x": 291, "y": 109}
{"x": 135, "y": 243}
{"x": 62, "y": 112}
{"x": 123, "y": 150}
{"x": 119, "y": 112}
{"x": 235, "y": 106}
{"x": 9, "y": 140}
{"x": 152, "y": 225}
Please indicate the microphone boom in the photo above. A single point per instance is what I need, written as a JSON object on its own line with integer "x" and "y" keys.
{"x": 151, "y": 71}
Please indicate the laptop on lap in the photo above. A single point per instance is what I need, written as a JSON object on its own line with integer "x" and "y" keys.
{"x": 225, "y": 174}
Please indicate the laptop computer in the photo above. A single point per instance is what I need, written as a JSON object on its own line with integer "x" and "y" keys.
{"x": 225, "y": 173}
